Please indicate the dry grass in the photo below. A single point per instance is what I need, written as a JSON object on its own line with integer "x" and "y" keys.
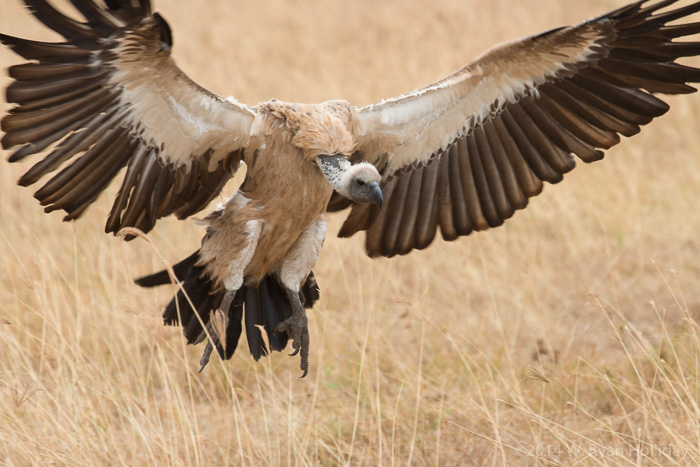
{"x": 568, "y": 336}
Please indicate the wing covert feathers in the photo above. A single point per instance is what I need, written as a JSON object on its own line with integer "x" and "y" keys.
{"x": 467, "y": 152}
{"x": 92, "y": 102}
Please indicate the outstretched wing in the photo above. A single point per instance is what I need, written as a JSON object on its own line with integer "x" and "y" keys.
{"x": 111, "y": 96}
{"x": 465, "y": 153}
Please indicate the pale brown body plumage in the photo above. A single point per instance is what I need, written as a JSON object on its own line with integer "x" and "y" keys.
{"x": 284, "y": 188}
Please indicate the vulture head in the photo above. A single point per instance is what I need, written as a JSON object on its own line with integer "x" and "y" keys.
{"x": 359, "y": 182}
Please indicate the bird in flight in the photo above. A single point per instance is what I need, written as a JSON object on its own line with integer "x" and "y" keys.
{"x": 459, "y": 155}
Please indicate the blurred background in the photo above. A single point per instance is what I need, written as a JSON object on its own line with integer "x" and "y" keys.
{"x": 567, "y": 335}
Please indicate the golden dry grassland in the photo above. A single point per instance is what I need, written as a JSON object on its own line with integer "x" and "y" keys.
{"x": 566, "y": 337}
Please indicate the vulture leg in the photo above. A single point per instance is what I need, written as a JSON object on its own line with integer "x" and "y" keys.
{"x": 297, "y": 328}
{"x": 217, "y": 328}
{"x": 294, "y": 270}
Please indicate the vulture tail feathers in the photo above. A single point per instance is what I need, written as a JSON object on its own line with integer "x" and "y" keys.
{"x": 265, "y": 304}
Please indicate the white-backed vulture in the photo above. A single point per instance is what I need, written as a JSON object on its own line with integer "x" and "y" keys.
{"x": 460, "y": 155}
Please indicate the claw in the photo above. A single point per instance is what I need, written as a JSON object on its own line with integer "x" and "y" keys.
{"x": 304, "y": 375}
{"x": 205, "y": 356}
{"x": 297, "y": 329}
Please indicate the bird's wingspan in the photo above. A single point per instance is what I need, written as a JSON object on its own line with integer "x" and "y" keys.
{"x": 466, "y": 152}
{"x": 111, "y": 97}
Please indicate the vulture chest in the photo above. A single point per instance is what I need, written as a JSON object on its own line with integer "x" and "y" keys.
{"x": 286, "y": 193}
{"x": 290, "y": 193}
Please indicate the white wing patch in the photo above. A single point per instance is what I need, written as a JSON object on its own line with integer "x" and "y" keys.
{"x": 412, "y": 127}
{"x": 176, "y": 115}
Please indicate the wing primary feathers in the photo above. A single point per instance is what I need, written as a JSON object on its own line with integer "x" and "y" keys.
{"x": 652, "y": 8}
{"x": 98, "y": 18}
{"x": 529, "y": 183}
{"x": 130, "y": 181}
{"x": 506, "y": 171}
{"x": 35, "y": 93}
{"x": 626, "y": 104}
{"x": 426, "y": 220}
{"x": 445, "y": 210}
{"x": 493, "y": 179}
{"x": 673, "y": 15}
{"x": 374, "y": 234}
{"x": 559, "y": 135}
{"x": 160, "y": 193}
{"x": 480, "y": 201}
{"x": 531, "y": 154}
{"x": 46, "y": 72}
{"x": 47, "y": 52}
{"x": 51, "y": 96}
{"x": 75, "y": 143}
{"x": 54, "y": 19}
{"x": 67, "y": 178}
{"x": 126, "y": 10}
{"x": 409, "y": 216}
{"x": 26, "y": 120}
{"x": 362, "y": 215}
{"x": 558, "y": 160}
{"x": 678, "y": 30}
{"x": 667, "y": 78}
{"x": 583, "y": 103}
{"x": 611, "y": 117}
{"x": 394, "y": 212}
{"x": 92, "y": 181}
{"x": 578, "y": 122}
{"x": 461, "y": 182}
{"x": 139, "y": 197}
{"x": 101, "y": 99}
{"x": 40, "y": 143}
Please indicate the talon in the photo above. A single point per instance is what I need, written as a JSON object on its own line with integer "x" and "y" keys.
{"x": 205, "y": 356}
{"x": 297, "y": 329}
{"x": 305, "y": 351}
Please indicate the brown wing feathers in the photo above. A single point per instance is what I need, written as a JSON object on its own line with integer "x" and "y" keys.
{"x": 482, "y": 178}
{"x": 66, "y": 101}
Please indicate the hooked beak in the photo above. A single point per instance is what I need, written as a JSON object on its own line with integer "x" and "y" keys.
{"x": 376, "y": 194}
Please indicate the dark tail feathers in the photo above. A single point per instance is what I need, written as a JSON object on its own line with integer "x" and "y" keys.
{"x": 265, "y": 304}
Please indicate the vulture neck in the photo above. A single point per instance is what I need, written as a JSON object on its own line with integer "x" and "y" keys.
{"x": 334, "y": 168}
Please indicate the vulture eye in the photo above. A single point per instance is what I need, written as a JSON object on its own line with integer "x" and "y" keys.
{"x": 361, "y": 182}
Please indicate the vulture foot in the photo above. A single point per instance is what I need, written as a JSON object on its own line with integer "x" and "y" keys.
{"x": 216, "y": 328}
{"x": 297, "y": 328}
